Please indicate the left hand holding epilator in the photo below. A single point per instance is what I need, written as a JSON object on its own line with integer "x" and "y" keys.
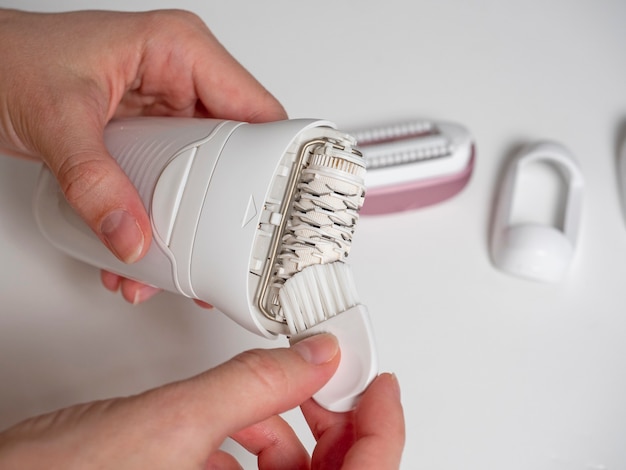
{"x": 182, "y": 425}
{"x": 65, "y": 75}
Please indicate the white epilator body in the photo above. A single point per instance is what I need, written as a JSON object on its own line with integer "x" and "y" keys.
{"x": 217, "y": 193}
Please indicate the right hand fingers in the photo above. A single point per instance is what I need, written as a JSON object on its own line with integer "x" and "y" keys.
{"x": 371, "y": 436}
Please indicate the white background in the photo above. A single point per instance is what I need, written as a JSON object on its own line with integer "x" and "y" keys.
{"x": 496, "y": 372}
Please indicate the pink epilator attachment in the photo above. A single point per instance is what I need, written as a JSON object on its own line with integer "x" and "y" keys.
{"x": 415, "y": 164}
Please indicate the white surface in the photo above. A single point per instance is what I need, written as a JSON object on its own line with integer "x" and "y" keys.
{"x": 496, "y": 372}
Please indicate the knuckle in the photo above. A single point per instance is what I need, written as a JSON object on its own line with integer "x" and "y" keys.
{"x": 265, "y": 370}
{"x": 186, "y": 16}
{"x": 176, "y": 20}
{"x": 81, "y": 180}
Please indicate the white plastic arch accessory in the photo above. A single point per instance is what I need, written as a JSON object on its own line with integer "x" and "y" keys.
{"x": 531, "y": 250}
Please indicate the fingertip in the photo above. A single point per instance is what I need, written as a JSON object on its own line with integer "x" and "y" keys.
{"x": 101, "y": 193}
{"x": 110, "y": 281}
{"x": 123, "y": 235}
{"x": 220, "y": 460}
{"x": 380, "y": 409}
{"x": 389, "y": 381}
{"x": 203, "y": 304}
{"x": 260, "y": 383}
{"x": 97, "y": 188}
{"x": 317, "y": 349}
{"x": 396, "y": 386}
{"x": 231, "y": 92}
{"x": 380, "y": 426}
{"x": 270, "y": 111}
{"x": 145, "y": 293}
{"x": 135, "y": 292}
{"x": 383, "y": 393}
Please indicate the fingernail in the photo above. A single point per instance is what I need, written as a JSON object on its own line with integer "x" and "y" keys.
{"x": 317, "y": 349}
{"x": 203, "y": 304}
{"x": 122, "y": 235}
{"x": 145, "y": 293}
{"x": 396, "y": 386}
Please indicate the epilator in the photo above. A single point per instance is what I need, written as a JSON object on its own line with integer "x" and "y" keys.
{"x": 255, "y": 219}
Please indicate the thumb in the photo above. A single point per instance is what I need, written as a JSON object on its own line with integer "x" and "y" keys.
{"x": 98, "y": 190}
{"x": 257, "y": 384}
{"x": 179, "y": 425}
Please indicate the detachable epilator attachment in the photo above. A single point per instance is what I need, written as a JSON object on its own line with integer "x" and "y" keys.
{"x": 414, "y": 164}
{"x": 531, "y": 250}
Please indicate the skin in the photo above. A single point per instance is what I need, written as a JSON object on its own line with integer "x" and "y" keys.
{"x": 63, "y": 77}
{"x": 182, "y": 425}
{"x": 123, "y": 64}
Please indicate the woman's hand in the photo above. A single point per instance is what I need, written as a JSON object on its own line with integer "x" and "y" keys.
{"x": 183, "y": 425}
{"x": 65, "y": 75}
